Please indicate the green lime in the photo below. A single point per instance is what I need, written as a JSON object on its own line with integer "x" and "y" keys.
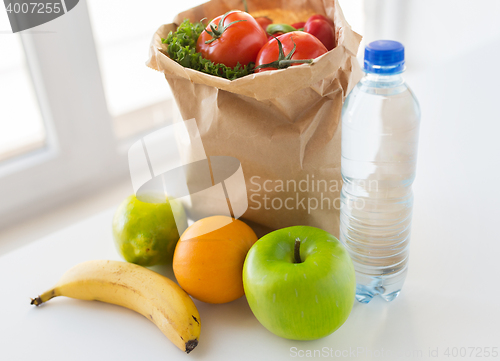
{"x": 146, "y": 233}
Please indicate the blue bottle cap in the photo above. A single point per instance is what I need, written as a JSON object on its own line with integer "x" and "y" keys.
{"x": 385, "y": 57}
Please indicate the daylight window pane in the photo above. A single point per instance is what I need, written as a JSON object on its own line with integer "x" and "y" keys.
{"x": 122, "y": 32}
{"x": 21, "y": 123}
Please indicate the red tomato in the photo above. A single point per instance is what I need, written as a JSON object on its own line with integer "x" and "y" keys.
{"x": 299, "y": 25}
{"x": 308, "y": 47}
{"x": 322, "y": 30}
{"x": 237, "y": 43}
{"x": 322, "y": 17}
{"x": 264, "y": 21}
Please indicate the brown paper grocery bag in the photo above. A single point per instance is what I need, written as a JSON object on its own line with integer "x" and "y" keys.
{"x": 282, "y": 125}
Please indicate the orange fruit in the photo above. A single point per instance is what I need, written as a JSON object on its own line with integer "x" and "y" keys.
{"x": 208, "y": 259}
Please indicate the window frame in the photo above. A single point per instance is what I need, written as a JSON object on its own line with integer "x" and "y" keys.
{"x": 81, "y": 153}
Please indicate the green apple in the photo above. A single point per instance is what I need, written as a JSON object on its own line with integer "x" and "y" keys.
{"x": 146, "y": 233}
{"x": 299, "y": 282}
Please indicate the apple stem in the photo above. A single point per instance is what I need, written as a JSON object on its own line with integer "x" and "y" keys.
{"x": 297, "y": 251}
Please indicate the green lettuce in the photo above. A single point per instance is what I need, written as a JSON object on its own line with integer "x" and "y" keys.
{"x": 182, "y": 49}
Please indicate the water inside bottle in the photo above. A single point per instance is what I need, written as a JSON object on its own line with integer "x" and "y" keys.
{"x": 380, "y": 125}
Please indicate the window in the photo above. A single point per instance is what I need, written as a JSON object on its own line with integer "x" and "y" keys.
{"x": 21, "y": 125}
{"x": 138, "y": 98}
{"x": 77, "y": 150}
{"x": 85, "y": 76}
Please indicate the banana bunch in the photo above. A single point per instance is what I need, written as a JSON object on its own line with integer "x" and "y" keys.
{"x": 140, "y": 289}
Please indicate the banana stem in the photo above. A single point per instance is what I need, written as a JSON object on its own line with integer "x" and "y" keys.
{"x": 44, "y": 297}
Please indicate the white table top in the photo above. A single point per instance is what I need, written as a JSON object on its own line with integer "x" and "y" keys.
{"x": 450, "y": 299}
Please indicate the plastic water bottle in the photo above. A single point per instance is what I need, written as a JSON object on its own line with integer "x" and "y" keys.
{"x": 380, "y": 126}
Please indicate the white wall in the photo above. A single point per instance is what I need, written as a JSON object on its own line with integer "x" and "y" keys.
{"x": 434, "y": 31}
